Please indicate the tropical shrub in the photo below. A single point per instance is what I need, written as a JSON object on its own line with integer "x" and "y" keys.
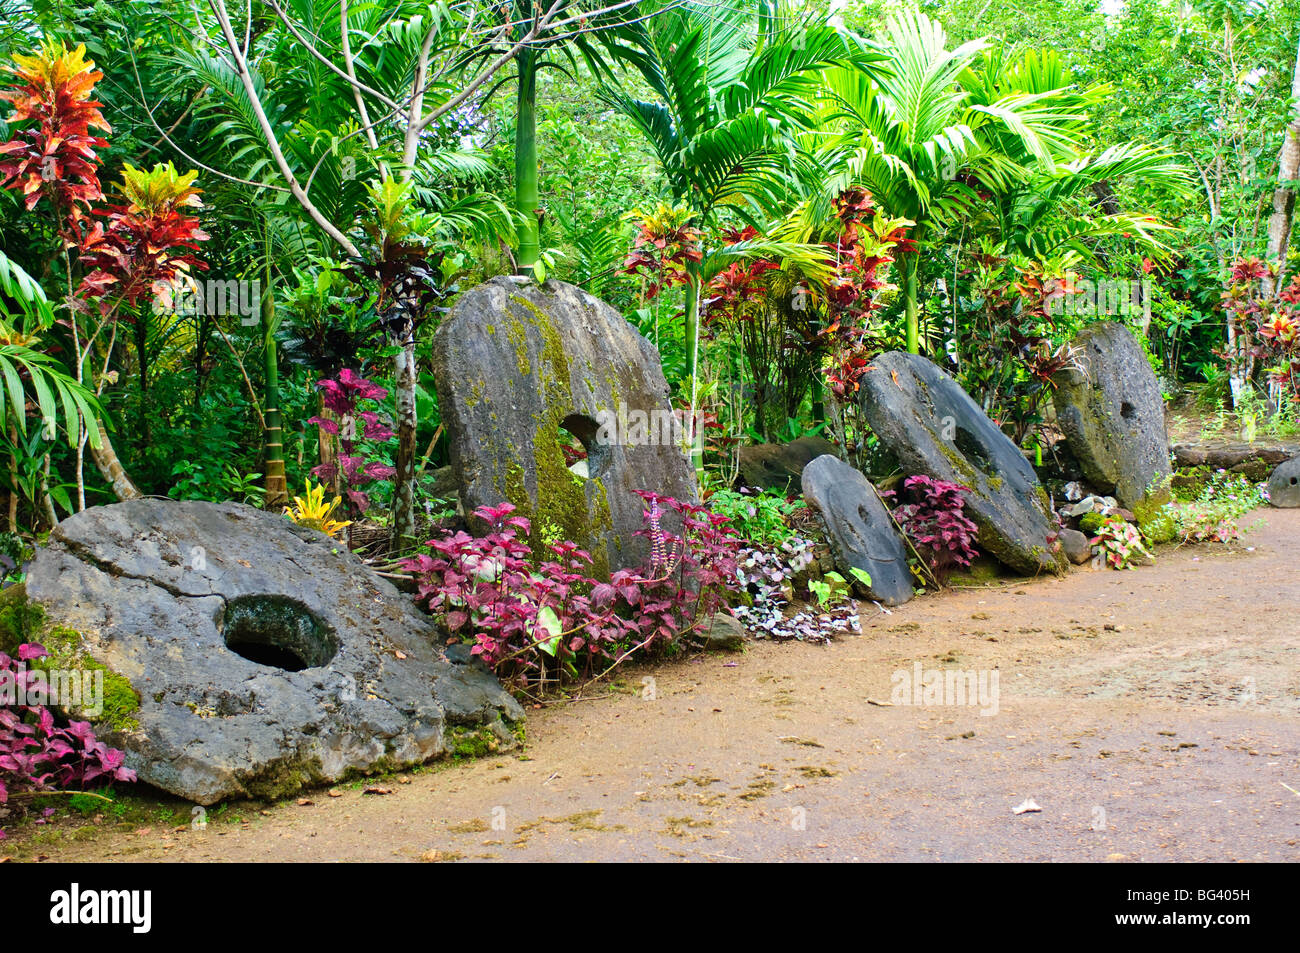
{"x": 1118, "y": 544}
{"x": 1211, "y": 514}
{"x": 538, "y": 617}
{"x": 934, "y": 519}
{"x": 760, "y": 518}
{"x": 359, "y": 429}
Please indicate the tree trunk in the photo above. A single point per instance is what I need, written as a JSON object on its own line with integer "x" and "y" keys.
{"x": 692, "y": 362}
{"x": 328, "y": 449}
{"x": 277, "y": 491}
{"x": 142, "y": 357}
{"x": 111, "y": 469}
{"x": 1104, "y": 198}
{"x": 526, "y": 199}
{"x": 1279, "y": 223}
{"x": 909, "y": 303}
{"x": 404, "y": 377}
{"x": 46, "y": 503}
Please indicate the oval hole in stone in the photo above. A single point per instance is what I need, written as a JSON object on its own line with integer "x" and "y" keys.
{"x": 1127, "y": 410}
{"x": 277, "y": 632}
{"x": 583, "y": 454}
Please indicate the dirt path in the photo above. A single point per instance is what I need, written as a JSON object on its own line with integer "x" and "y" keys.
{"x": 1153, "y": 715}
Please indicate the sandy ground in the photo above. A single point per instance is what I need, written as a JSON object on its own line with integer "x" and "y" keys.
{"x": 1151, "y": 714}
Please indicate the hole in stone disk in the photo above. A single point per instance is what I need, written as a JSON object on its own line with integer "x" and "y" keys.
{"x": 1127, "y": 410}
{"x": 583, "y": 455}
{"x": 1295, "y": 480}
{"x": 277, "y": 632}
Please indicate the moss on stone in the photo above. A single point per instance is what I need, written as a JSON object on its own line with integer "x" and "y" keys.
{"x": 1151, "y": 507}
{"x": 980, "y": 573}
{"x": 471, "y": 742}
{"x": 24, "y": 621}
{"x": 578, "y": 509}
{"x": 960, "y": 464}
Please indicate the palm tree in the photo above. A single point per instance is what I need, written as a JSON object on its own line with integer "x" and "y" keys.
{"x": 938, "y": 122}
{"x": 731, "y": 93}
{"x": 591, "y": 30}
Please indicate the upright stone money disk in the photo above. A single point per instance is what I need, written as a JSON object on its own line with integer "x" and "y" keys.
{"x": 932, "y": 427}
{"x": 1284, "y": 484}
{"x": 518, "y": 368}
{"x": 1113, "y": 415}
{"x": 859, "y": 528}
{"x": 247, "y": 656}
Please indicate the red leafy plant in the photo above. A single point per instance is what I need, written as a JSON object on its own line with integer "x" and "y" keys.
{"x": 37, "y": 756}
{"x": 143, "y": 246}
{"x": 538, "y": 616}
{"x": 354, "y": 424}
{"x": 1118, "y": 545}
{"x": 665, "y": 245}
{"x": 56, "y": 157}
{"x": 934, "y": 519}
{"x": 1268, "y": 328}
{"x": 864, "y": 246}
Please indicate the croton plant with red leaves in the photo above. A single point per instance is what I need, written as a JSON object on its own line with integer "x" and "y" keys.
{"x": 862, "y": 249}
{"x": 142, "y": 248}
{"x": 1268, "y": 328}
{"x": 55, "y": 159}
{"x": 664, "y": 245}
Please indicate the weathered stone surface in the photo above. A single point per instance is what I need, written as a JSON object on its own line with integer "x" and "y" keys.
{"x": 1113, "y": 416}
{"x": 515, "y": 362}
{"x": 933, "y": 427}
{"x": 776, "y": 466}
{"x": 860, "y": 530}
{"x": 1284, "y": 484}
{"x": 1255, "y": 461}
{"x": 265, "y": 656}
{"x": 1076, "y": 546}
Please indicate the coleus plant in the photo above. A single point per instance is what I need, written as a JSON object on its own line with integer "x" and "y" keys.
{"x": 538, "y": 616}
{"x": 355, "y": 424}
{"x": 934, "y": 519}
{"x": 36, "y": 755}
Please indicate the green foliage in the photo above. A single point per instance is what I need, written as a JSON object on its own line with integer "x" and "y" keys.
{"x": 763, "y": 519}
{"x": 1209, "y": 513}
